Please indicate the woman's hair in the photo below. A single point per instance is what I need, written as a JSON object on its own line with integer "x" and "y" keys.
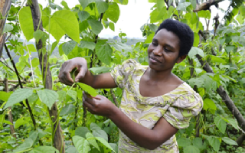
{"x": 183, "y": 31}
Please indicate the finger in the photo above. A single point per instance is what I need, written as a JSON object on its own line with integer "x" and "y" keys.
{"x": 87, "y": 105}
{"x": 81, "y": 72}
{"x": 90, "y": 101}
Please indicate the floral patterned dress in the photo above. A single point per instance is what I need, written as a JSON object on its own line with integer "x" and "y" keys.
{"x": 176, "y": 106}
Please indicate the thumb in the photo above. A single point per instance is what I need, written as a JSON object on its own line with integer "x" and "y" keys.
{"x": 81, "y": 74}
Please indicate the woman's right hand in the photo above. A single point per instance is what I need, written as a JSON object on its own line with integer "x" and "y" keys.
{"x": 67, "y": 67}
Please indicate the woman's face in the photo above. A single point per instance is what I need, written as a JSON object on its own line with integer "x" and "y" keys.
{"x": 163, "y": 52}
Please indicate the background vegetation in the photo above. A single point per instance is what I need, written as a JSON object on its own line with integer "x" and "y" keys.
{"x": 39, "y": 114}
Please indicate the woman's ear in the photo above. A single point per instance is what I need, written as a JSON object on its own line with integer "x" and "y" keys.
{"x": 181, "y": 58}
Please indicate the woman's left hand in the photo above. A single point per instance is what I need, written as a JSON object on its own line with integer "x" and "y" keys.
{"x": 99, "y": 105}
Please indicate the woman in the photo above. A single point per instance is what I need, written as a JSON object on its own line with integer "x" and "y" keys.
{"x": 155, "y": 103}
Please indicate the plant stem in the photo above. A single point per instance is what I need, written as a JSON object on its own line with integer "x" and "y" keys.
{"x": 21, "y": 86}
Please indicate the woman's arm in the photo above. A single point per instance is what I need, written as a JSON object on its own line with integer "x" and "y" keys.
{"x": 144, "y": 137}
{"x": 84, "y": 75}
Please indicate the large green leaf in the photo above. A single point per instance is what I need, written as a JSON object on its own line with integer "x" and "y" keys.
{"x": 81, "y": 131}
{"x": 229, "y": 141}
{"x": 98, "y": 70}
{"x": 83, "y": 15}
{"x": 214, "y": 142}
{"x": 113, "y": 12}
{"x": 87, "y": 44}
{"x": 27, "y": 143}
{"x": 104, "y": 52}
{"x": 88, "y": 89}
{"x": 81, "y": 144}
{"x": 194, "y": 51}
{"x": 4, "y": 96}
{"x": 123, "y": 2}
{"x": 94, "y": 126}
{"x": 209, "y": 104}
{"x": 191, "y": 149}
{"x": 183, "y": 6}
{"x": 64, "y": 22}
{"x": 105, "y": 143}
{"x": 91, "y": 139}
{"x": 48, "y": 97}
{"x": 44, "y": 149}
{"x": 45, "y": 16}
{"x": 84, "y": 3}
{"x": 18, "y": 96}
{"x": 204, "y": 13}
{"x": 101, "y": 6}
{"x": 72, "y": 94}
{"x": 95, "y": 25}
{"x": 220, "y": 123}
{"x": 7, "y": 28}
{"x": 67, "y": 109}
{"x": 26, "y": 22}
{"x": 182, "y": 142}
{"x": 101, "y": 134}
{"x": 21, "y": 121}
{"x": 68, "y": 46}
{"x": 233, "y": 122}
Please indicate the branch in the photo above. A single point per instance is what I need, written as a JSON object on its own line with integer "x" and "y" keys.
{"x": 20, "y": 83}
{"x": 207, "y": 5}
{"x": 225, "y": 97}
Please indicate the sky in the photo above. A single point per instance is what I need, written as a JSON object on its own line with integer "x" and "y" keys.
{"x": 134, "y": 15}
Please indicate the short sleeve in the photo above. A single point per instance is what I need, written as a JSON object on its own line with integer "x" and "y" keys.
{"x": 182, "y": 109}
{"x": 120, "y": 73}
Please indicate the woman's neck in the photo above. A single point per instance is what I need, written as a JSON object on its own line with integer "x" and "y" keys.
{"x": 159, "y": 76}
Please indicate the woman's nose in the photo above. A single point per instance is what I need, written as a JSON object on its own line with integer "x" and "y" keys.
{"x": 157, "y": 51}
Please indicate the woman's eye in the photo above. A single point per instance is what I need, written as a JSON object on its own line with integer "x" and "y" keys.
{"x": 154, "y": 43}
{"x": 167, "y": 50}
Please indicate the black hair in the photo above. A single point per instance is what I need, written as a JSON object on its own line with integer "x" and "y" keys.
{"x": 183, "y": 31}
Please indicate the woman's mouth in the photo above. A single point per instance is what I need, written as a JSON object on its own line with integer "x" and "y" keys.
{"x": 153, "y": 60}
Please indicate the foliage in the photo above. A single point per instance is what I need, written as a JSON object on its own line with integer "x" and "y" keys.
{"x": 214, "y": 130}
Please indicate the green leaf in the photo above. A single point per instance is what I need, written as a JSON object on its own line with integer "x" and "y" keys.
{"x": 91, "y": 139}
{"x": 48, "y": 97}
{"x": 123, "y": 2}
{"x": 62, "y": 95}
{"x": 72, "y": 94}
{"x": 229, "y": 48}
{"x": 4, "y": 96}
{"x": 233, "y": 122}
{"x": 183, "y": 6}
{"x": 204, "y": 14}
{"x": 217, "y": 59}
{"x": 81, "y": 144}
{"x": 21, "y": 121}
{"x": 7, "y": 28}
{"x": 101, "y": 134}
{"x": 81, "y": 131}
{"x": 31, "y": 48}
{"x": 191, "y": 149}
{"x": 196, "y": 40}
{"x": 113, "y": 12}
{"x": 197, "y": 142}
{"x": 38, "y": 35}
{"x": 54, "y": 44}
{"x": 88, "y": 89}
{"x": 84, "y": 3}
{"x": 111, "y": 26}
{"x": 214, "y": 142}
{"x": 44, "y": 149}
{"x": 105, "y": 143}
{"x": 94, "y": 126}
{"x": 26, "y": 22}
{"x": 68, "y": 46}
{"x": 18, "y": 96}
{"x": 194, "y": 51}
{"x": 209, "y": 104}
{"x": 95, "y": 25}
{"x": 67, "y": 110}
{"x": 101, "y": 6}
{"x": 183, "y": 142}
{"x": 104, "y": 52}
{"x": 87, "y": 44}
{"x": 45, "y": 16}
{"x": 64, "y": 22}
{"x": 27, "y": 143}
{"x": 229, "y": 141}
{"x": 220, "y": 123}
{"x": 83, "y": 15}
{"x": 98, "y": 70}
